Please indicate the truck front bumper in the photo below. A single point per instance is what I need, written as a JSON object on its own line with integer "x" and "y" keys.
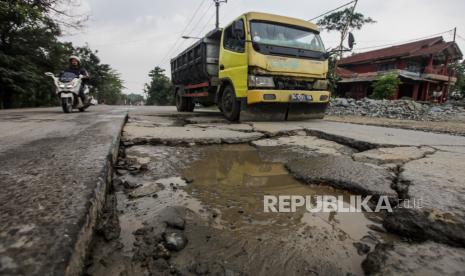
{"x": 284, "y": 96}
{"x": 275, "y": 105}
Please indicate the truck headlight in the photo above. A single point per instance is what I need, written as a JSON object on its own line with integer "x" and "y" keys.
{"x": 320, "y": 85}
{"x": 71, "y": 85}
{"x": 260, "y": 81}
{"x": 61, "y": 85}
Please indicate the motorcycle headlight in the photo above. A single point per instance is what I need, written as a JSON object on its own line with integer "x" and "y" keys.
{"x": 320, "y": 85}
{"x": 260, "y": 81}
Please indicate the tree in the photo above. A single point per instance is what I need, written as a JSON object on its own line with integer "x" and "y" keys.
{"x": 133, "y": 99}
{"x": 459, "y": 85}
{"x": 159, "y": 91}
{"x": 333, "y": 78}
{"x": 385, "y": 86}
{"x": 342, "y": 21}
{"x": 29, "y": 47}
{"x": 106, "y": 84}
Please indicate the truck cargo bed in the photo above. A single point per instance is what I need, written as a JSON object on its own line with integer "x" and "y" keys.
{"x": 199, "y": 62}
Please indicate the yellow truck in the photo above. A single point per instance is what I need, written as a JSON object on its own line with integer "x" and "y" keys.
{"x": 270, "y": 66}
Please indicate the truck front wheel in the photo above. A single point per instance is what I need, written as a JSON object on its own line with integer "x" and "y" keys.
{"x": 230, "y": 105}
{"x": 184, "y": 104}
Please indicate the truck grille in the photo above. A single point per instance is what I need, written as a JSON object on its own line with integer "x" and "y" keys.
{"x": 283, "y": 83}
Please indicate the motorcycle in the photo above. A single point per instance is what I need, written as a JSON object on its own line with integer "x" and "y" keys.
{"x": 68, "y": 85}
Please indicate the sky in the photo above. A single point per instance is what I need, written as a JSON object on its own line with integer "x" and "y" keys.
{"x": 135, "y": 36}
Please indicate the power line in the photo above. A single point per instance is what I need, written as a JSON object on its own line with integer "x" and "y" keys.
{"x": 200, "y": 20}
{"x": 461, "y": 37}
{"x": 328, "y": 12}
{"x": 206, "y": 24}
{"x": 401, "y": 42}
{"x": 185, "y": 28}
{"x": 182, "y": 44}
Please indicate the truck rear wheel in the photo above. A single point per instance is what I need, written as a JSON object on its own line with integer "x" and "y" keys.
{"x": 231, "y": 107}
{"x": 184, "y": 104}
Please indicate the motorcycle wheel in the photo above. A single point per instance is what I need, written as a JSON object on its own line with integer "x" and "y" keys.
{"x": 66, "y": 105}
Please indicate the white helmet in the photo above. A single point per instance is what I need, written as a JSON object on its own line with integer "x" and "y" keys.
{"x": 76, "y": 58}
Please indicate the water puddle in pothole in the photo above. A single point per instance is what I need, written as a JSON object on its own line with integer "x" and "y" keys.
{"x": 224, "y": 187}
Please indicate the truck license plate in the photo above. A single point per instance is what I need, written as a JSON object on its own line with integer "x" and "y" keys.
{"x": 301, "y": 98}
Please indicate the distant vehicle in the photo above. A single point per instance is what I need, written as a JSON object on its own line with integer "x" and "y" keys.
{"x": 67, "y": 89}
{"x": 261, "y": 64}
{"x": 456, "y": 95}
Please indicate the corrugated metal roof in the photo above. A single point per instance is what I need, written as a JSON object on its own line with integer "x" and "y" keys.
{"x": 417, "y": 48}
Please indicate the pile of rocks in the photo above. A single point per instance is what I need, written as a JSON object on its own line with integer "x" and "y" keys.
{"x": 397, "y": 109}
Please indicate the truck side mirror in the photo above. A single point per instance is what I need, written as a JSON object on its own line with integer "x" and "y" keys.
{"x": 351, "y": 41}
{"x": 238, "y": 29}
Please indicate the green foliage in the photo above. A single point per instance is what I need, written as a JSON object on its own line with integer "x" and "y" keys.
{"x": 333, "y": 78}
{"x": 29, "y": 47}
{"x": 337, "y": 21}
{"x": 106, "y": 84}
{"x": 159, "y": 91}
{"x": 133, "y": 99}
{"x": 385, "y": 86}
{"x": 459, "y": 86}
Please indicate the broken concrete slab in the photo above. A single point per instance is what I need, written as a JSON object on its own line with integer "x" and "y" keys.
{"x": 397, "y": 155}
{"x": 437, "y": 183}
{"x": 151, "y": 121}
{"x": 207, "y": 119}
{"x": 344, "y": 173}
{"x": 457, "y": 149}
{"x": 276, "y": 128}
{"x": 363, "y": 137}
{"x": 415, "y": 259}
{"x": 310, "y": 143}
{"x": 235, "y": 127}
{"x": 147, "y": 189}
{"x": 186, "y": 135}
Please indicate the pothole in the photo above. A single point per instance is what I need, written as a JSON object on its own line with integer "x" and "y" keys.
{"x": 221, "y": 187}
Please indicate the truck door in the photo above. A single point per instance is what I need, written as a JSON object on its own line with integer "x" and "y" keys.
{"x": 233, "y": 57}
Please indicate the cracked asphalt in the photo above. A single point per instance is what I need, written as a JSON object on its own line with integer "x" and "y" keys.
{"x": 185, "y": 195}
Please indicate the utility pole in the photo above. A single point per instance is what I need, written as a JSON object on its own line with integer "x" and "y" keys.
{"x": 217, "y": 5}
{"x": 449, "y": 72}
{"x": 346, "y": 29}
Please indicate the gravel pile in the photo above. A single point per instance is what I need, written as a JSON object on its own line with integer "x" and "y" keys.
{"x": 398, "y": 109}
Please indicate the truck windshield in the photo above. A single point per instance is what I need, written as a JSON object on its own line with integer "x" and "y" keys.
{"x": 286, "y": 36}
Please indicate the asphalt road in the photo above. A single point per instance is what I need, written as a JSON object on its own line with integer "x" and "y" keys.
{"x": 53, "y": 175}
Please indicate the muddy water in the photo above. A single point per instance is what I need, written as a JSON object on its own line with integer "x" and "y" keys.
{"x": 227, "y": 230}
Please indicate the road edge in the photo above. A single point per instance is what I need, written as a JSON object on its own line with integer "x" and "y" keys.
{"x": 77, "y": 261}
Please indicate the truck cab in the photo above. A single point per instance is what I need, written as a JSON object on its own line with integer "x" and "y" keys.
{"x": 269, "y": 66}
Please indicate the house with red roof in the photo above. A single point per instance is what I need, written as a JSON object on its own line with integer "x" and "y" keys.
{"x": 422, "y": 67}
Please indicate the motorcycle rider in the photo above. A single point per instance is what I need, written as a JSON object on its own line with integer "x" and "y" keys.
{"x": 75, "y": 68}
